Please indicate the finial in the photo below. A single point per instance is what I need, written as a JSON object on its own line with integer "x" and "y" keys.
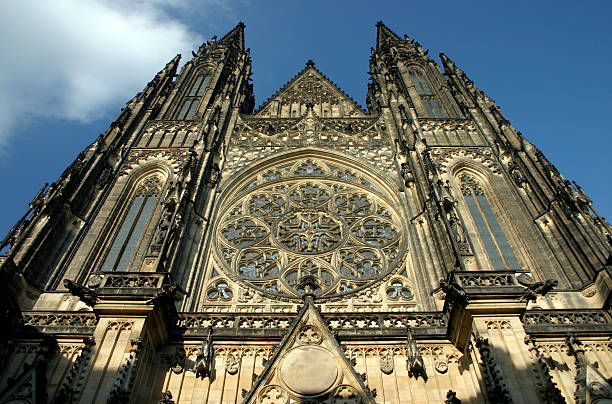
{"x": 379, "y": 24}
{"x": 310, "y": 63}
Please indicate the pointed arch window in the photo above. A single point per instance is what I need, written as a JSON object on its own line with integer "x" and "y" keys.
{"x": 125, "y": 244}
{"x": 420, "y": 83}
{"x": 192, "y": 100}
{"x": 427, "y": 95}
{"x": 490, "y": 232}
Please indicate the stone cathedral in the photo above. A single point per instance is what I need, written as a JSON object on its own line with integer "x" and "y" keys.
{"x": 308, "y": 251}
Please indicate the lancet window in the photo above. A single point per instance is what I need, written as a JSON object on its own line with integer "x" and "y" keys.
{"x": 192, "y": 100}
{"x": 427, "y": 95}
{"x": 129, "y": 234}
{"x": 491, "y": 234}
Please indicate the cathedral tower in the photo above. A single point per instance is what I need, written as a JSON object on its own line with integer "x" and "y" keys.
{"x": 199, "y": 251}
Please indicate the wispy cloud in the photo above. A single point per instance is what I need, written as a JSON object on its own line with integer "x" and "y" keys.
{"x": 72, "y": 59}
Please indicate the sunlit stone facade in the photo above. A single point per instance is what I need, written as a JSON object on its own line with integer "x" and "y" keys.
{"x": 309, "y": 251}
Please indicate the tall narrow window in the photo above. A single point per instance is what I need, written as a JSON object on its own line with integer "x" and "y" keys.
{"x": 420, "y": 83}
{"x": 132, "y": 228}
{"x": 427, "y": 95}
{"x": 190, "y": 105}
{"x": 493, "y": 238}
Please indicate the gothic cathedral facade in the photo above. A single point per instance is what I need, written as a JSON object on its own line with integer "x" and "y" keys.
{"x": 310, "y": 251}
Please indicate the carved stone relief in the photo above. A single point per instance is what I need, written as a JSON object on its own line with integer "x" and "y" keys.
{"x": 175, "y": 159}
{"x": 443, "y": 156}
{"x": 364, "y": 138}
{"x": 232, "y": 364}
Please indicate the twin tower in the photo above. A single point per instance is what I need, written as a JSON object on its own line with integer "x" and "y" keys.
{"x": 310, "y": 251}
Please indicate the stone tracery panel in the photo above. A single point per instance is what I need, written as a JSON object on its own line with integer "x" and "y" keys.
{"x": 309, "y": 224}
{"x": 365, "y": 138}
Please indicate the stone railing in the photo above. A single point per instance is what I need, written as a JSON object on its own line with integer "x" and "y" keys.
{"x": 567, "y": 321}
{"x": 356, "y": 321}
{"x": 485, "y": 283}
{"x": 481, "y": 279}
{"x": 69, "y": 323}
{"x": 126, "y": 283}
{"x": 344, "y": 323}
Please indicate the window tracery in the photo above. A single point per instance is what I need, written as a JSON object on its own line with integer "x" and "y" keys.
{"x": 192, "y": 99}
{"x": 491, "y": 234}
{"x": 309, "y": 220}
{"x": 132, "y": 228}
{"x": 397, "y": 289}
{"x": 220, "y": 290}
{"x": 427, "y": 95}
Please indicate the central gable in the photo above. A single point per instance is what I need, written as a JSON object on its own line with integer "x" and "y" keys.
{"x": 310, "y": 87}
{"x": 309, "y": 366}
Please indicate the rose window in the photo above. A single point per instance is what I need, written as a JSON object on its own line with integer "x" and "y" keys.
{"x": 309, "y": 226}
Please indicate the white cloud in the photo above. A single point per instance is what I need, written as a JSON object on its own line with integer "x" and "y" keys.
{"x": 75, "y": 58}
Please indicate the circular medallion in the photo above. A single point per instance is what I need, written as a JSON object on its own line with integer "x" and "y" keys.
{"x": 309, "y": 370}
{"x": 95, "y": 281}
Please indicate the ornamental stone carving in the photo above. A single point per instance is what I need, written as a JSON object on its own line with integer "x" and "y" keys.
{"x": 273, "y": 395}
{"x": 309, "y": 220}
{"x": 386, "y": 364}
{"x": 443, "y": 157}
{"x": 309, "y": 335}
{"x": 232, "y": 364}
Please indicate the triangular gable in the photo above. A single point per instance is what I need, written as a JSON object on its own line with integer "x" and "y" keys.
{"x": 310, "y": 86}
{"x": 309, "y": 364}
{"x": 594, "y": 385}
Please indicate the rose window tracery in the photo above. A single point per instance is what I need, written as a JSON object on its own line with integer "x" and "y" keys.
{"x": 309, "y": 232}
{"x": 309, "y": 226}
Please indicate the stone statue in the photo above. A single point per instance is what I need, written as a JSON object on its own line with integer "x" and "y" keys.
{"x": 204, "y": 361}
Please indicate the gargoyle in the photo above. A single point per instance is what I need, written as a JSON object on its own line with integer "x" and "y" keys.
{"x": 87, "y": 296}
{"x": 451, "y": 398}
{"x": 454, "y": 292}
{"x": 170, "y": 291}
{"x": 538, "y": 288}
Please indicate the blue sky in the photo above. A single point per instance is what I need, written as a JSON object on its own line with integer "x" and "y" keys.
{"x": 72, "y": 64}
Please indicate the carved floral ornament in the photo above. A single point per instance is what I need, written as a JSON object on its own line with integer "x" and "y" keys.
{"x": 445, "y": 157}
{"x": 311, "y": 225}
{"x": 310, "y": 130}
{"x": 175, "y": 160}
